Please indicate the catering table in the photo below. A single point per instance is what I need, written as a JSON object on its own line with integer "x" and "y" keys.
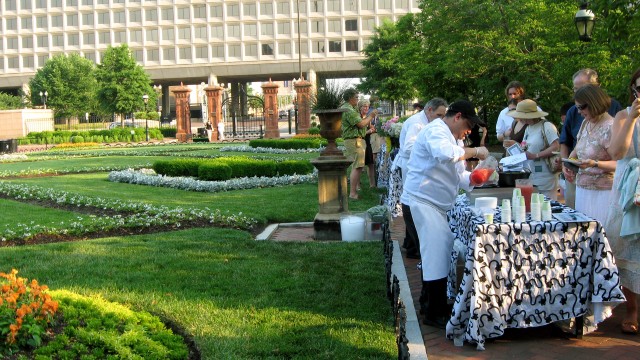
{"x": 528, "y": 274}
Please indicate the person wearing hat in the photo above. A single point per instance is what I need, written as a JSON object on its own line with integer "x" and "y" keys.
{"x": 435, "y": 172}
{"x": 538, "y": 146}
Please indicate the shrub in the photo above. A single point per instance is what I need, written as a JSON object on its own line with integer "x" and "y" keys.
{"x": 293, "y": 143}
{"x": 26, "y": 311}
{"x": 314, "y": 130}
{"x": 169, "y": 132}
{"x": 177, "y": 167}
{"x": 77, "y": 139}
{"x": 290, "y": 167}
{"x": 214, "y": 171}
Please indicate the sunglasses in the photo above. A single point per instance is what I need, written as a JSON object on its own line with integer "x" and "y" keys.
{"x": 582, "y": 107}
{"x": 635, "y": 90}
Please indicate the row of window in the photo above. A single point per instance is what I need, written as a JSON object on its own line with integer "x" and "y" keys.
{"x": 232, "y": 9}
{"x": 204, "y": 52}
{"x": 332, "y": 25}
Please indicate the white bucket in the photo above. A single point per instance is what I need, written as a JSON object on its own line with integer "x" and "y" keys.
{"x": 352, "y": 227}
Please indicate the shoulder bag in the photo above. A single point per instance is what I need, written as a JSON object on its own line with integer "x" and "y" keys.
{"x": 553, "y": 161}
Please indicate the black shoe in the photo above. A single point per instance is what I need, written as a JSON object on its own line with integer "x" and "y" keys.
{"x": 413, "y": 255}
{"x": 439, "y": 322}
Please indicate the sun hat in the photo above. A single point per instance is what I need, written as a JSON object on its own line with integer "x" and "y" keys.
{"x": 527, "y": 109}
{"x": 468, "y": 111}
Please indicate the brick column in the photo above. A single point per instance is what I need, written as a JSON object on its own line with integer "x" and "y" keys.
{"x": 270, "y": 91}
{"x": 183, "y": 114}
{"x": 303, "y": 101}
{"x": 214, "y": 103}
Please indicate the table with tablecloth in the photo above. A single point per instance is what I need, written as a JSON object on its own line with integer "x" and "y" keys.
{"x": 527, "y": 274}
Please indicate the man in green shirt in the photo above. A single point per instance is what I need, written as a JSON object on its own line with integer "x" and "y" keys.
{"x": 354, "y": 128}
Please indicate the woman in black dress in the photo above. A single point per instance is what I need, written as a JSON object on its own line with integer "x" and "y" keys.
{"x": 369, "y": 161}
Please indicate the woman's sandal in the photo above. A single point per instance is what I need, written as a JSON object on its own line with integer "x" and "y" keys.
{"x": 630, "y": 327}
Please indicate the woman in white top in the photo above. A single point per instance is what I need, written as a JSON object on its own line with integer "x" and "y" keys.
{"x": 536, "y": 147}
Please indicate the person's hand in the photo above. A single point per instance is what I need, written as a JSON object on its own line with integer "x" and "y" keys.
{"x": 482, "y": 153}
{"x": 569, "y": 175}
{"x": 508, "y": 143}
{"x": 634, "y": 110}
{"x": 530, "y": 155}
{"x": 586, "y": 163}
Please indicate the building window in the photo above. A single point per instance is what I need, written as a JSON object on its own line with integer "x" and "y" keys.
{"x": 317, "y": 26}
{"x": 56, "y": 3}
{"x": 266, "y": 9}
{"x": 56, "y": 21}
{"x": 384, "y": 4}
{"x": 316, "y": 6}
{"x": 167, "y": 14}
{"x": 119, "y": 17}
{"x": 350, "y": 5}
{"x": 184, "y": 53}
{"x": 27, "y": 61}
{"x": 27, "y": 42}
{"x": 120, "y": 37}
{"x": 284, "y": 48}
{"x": 267, "y": 49}
{"x": 26, "y": 23}
{"x": 152, "y": 35}
{"x": 73, "y": 39}
{"x": 334, "y": 5}
{"x": 11, "y": 24}
{"x": 351, "y": 45}
{"x": 334, "y": 26}
{"x": 103, "y": 18}
{"x": 234, "y": 51}
{"x": 184, "y": 33}
{"x": 402, "y": 4}
{"x": 249, "y": 10}
{"x": 104, "y": 37}
{"x": 10, "y": 5}
{"x": 25, "y": 4}
{"x": 41, "y": 22}
{"x": 89, "y": 38}
{"x": 135, "y": 16}
{"x": 215, "y": 11}
{"x": 367, "y": 4}
{"x": 13, "y": 62}
{"x": 217, "y": 32}
{"x": 135, "y": 36}
{"x": 368, "y": 24}
{"x": 90, "y": 56}
{"x": 72, "y": 2}
{"x": 87, "y": 19}
{"x": 335, "y": 46}
{"x": 217, "y": 51}
{"x": 87, "y": 2}
{"x": 183, "y": 13}
{"x": 303, "y": 7}
{"x": 72, "y": 20}
{"x": 138, "y": 54}
{"x": 153, "y": 55}
{"x": 12, "y": 43}
{"x": 168, "y": 54}
{"x": 318, "y": 47}
{"x": 251, "y": 50}
{"x": 199, "y": 11}
{"x": 57, "y": 40}
{"x": 283, "y": 8}
{"x": 284, "y": 28}
{"x": 202, "y": 52}
{"x": 151, "y": 14}
{"x": 233, "y": 31}
{"x": 233, "y": 10}
{"x": 250, "y": 30}
{"x": 167, "y": 34}
{"x": 266, "y": 29}
{"x": 41, "y": 4}
{"x": 351, "y": 25}
{"x": 200, "y": 32}
{"x": 303, "y": 27}
{"x": 42, "y": 59}
{"x": 43, "y": 41}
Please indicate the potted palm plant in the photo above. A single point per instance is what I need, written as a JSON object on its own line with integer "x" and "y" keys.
{"x": 326, "y": 105}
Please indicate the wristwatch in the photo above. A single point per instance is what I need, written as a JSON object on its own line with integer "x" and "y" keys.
{"x": 596, "y": 164}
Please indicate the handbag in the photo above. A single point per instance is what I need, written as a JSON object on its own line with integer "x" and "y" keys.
{"x": 636, "y": 195}
{"x": 553, "y": 161}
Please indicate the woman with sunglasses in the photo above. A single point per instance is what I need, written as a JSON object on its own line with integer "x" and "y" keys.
{"x": 594, "y": 176}
{"x": 623, "y": 227}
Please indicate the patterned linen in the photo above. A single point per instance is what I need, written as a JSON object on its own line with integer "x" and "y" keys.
{"x": 528, "y": 274}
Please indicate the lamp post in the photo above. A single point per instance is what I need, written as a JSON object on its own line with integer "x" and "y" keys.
{"x": 158, "y": 90}
{"x": 299, "y": 43}
{"x": 145, "y": 98}
{"x": 584, "y": 20}
{"x": 44, "y": 98}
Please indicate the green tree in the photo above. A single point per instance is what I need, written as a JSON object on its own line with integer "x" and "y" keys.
{"x": 10, "y": 102}
{"x": 122, "y": 82}
{"x": 389, "y": 55}
{"x": 70, "y": 83}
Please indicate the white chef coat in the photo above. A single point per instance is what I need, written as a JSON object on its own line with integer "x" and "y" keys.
{"x": 410, "y": 129}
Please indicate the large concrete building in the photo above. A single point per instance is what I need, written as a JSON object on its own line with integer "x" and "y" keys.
{"x": 191, "y": 41}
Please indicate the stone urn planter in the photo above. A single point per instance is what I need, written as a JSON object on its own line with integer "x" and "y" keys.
{"x": 331, "y": 129}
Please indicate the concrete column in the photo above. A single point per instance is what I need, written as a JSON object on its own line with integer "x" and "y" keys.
{"x": 183, "y": 114}
{"x": 214, "y": 104}
{"x": 270, "y": 91}
{"x": 303, "y": 101}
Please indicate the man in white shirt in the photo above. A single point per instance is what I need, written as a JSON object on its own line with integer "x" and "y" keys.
{"x": 436, "y": 171}
{"x": 514, "y": 90}
{"x": 434, "y": 109}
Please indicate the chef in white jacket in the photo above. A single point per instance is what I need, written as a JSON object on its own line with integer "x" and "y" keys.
{"x": 436, "y": 171}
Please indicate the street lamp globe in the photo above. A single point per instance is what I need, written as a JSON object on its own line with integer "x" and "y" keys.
{"x": 585, "y": 21}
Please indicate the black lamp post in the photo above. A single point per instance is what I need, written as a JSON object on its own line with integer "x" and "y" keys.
{"x": 145, "y": 98}
{"x": 44, "y": 98}
{"x": 585, "y": 20}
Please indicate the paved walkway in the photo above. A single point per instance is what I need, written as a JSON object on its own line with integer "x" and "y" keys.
{"x": 537, "y": 343}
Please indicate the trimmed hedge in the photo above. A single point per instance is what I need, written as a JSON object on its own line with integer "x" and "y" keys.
{"x": 169, "y": 132}
{"x": 97, "y": 136}
{"x": 230, "y": 167}
{"x": 293, "y": 143}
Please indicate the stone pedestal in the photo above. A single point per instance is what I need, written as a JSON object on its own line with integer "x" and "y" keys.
{"x": 214, "y": 108}
{"x": 270, "y": 91}
{"x": 303, "y": 101}
{"x": 333, "y": 195}
{"x": 183, "y": 114}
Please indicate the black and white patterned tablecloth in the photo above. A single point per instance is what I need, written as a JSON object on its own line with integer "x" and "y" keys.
{"x": 528, "y": 274}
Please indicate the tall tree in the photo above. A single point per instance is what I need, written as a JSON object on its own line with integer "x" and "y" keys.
{"x": 70, "y": 84}
{"x": 122, "y": 82}
{"x": 10, "y": 102}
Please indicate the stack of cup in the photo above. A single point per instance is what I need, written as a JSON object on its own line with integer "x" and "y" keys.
{"x": 546, "y": 211}
{"x": 536, "y": 208}
{"x": 506, "y": 211}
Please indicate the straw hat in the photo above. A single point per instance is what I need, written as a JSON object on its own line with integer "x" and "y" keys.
{"x": 527, "y": 109}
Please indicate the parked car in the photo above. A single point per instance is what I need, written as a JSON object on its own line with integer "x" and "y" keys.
{"x": 117, "y": 124}
{"x": 283, "y": 114}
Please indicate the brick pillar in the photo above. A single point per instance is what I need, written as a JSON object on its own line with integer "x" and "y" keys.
{"x": 183, "y": 114}
{"x": 270, "y": 91}
{"x": 303, "y": 101}
{"x": 214, "y": 103}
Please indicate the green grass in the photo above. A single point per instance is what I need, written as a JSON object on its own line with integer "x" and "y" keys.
{"x": 14, "y": 212}
{"x": 240, "y": 298}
